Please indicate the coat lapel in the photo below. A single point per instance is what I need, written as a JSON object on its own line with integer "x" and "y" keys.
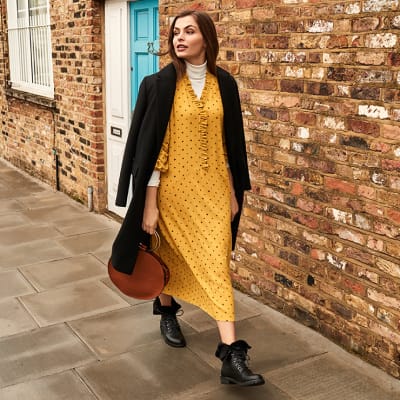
{"x": 166, "y": 85}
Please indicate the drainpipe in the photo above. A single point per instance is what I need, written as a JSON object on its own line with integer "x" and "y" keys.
{"x": 90, "y": 197}
{"x": 57, "y": 168}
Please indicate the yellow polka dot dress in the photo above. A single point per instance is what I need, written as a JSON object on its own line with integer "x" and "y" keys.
{"x": 194, "y": 201}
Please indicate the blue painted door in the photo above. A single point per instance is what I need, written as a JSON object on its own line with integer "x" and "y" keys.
{"x": 144, "y": 40}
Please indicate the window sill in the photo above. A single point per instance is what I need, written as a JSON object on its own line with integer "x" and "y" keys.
{"x": 32, "y": 98}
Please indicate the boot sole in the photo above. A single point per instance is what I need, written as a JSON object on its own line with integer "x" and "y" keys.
{"x": 230, "y": 381}
{"x": 172, "y": 344}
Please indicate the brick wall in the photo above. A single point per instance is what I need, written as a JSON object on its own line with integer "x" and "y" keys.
{"x": 320, "y": 232}
{"x": 72, "y": 124}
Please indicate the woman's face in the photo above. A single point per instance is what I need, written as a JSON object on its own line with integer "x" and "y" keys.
{"x": 188, "y": 41}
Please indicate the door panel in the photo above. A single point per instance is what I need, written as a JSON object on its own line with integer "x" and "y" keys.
{"x": 144, "y": 37}
{"x": 117, "y": 93}
{"x": 129, "y": 27}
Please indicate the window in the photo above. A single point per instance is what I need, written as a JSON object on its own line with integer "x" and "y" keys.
{"x": 30, "y": 46}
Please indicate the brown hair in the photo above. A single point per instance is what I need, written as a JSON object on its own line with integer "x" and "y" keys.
{"x": 209, "y": 33}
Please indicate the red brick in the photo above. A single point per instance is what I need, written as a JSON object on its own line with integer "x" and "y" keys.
{"x": 394, "y": 215}
{"x": 304, "y": 118}
{"x": 338, "y": 184}
{"x": 365, "y": 24}
{"x": 354, "y": 286}
{"x": 394, "y": 59}
{"x": 390, "y": 131}
{"x": 367, "y": 191}
{"x": 391, "y": 165}
{"x": 320, "y": 89}
{"x": 292, "y": 86}
{"x": 306, "y": 220}
{"x": 246, "y": 3}
{"x": 365, "y": 127}
{"x": 287, "y": 11}
{"x": 277, "y": 42}
{"x": 297, "y": 188}
{"x": 271, "y": 260}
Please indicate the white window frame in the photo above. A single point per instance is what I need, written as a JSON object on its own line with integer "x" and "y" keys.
{"x": 30, "y": 55}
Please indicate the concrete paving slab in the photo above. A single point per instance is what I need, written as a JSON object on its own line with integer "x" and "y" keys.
{"x": 15, "y": 180}
{"x": 103, "y": 255}
{"x": 12, "y": 220}
{"x": 215, "y": 391}
{"x": 128, "y": 299}
{"x": 9, "y": 206}
{"x": 8, "y": 194}
{"x": 90, "y": 242}
{"x": 64, "y": 386}
{"x": 201, "y": 321}
{"x": 39, "y": 353}
{"x": 47, "y": 198}
{"x": 26, "y": 233}
{"x": 121, "y": 331}
{"x": 57, "y": 273}
{"x": 31, "y": 253}
{"x": 84, "y": 224}
{"x": 156, "y": 371}
{"x": 14, "y": 318}
{"x": 327, "y": 378}
{"x": 72, "y": 302}
{"x": 55, "y": 213}
{"x": 271, "y": 347}
{"x": 13, "y": 284}
{"x": 19, "y": 189}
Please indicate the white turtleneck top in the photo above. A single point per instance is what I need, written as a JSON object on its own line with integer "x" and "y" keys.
{"x": 197, "y": 77}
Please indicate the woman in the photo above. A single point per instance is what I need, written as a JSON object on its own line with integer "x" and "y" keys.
{"x": 186, "y": 153}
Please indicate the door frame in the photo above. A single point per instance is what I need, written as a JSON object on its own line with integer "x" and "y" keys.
{"x": 118, "y": 107}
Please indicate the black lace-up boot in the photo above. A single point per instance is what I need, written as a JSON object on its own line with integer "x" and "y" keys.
{"x": 234, "y": 365}
{"x": 169, "y": 325}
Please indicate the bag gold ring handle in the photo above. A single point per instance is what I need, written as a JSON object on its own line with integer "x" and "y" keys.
{"x": 158, "y": 242}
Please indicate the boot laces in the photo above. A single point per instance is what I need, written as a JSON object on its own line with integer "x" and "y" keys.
{"x": 171, "y": 323}
{"x": 240, "y": 361}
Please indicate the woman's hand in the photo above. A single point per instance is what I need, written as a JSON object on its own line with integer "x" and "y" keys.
{"x": 150, "y": 214}
{"x": 150, "y": 220}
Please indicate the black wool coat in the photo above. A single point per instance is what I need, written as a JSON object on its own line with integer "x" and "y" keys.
{"x": 146, "y": 135}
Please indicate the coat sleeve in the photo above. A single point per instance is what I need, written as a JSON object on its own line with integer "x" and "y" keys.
{"x": 235, "y": 138}
{"x": 130, "y": 148}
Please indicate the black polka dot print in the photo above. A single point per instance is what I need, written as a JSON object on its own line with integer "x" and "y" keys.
{"x": 194, "y": 201}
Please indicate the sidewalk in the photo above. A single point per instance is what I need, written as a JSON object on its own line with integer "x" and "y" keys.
{"x": 65, "y": 333}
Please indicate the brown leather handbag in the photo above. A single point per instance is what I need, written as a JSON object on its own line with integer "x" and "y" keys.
{"x": 149, "y": 276}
